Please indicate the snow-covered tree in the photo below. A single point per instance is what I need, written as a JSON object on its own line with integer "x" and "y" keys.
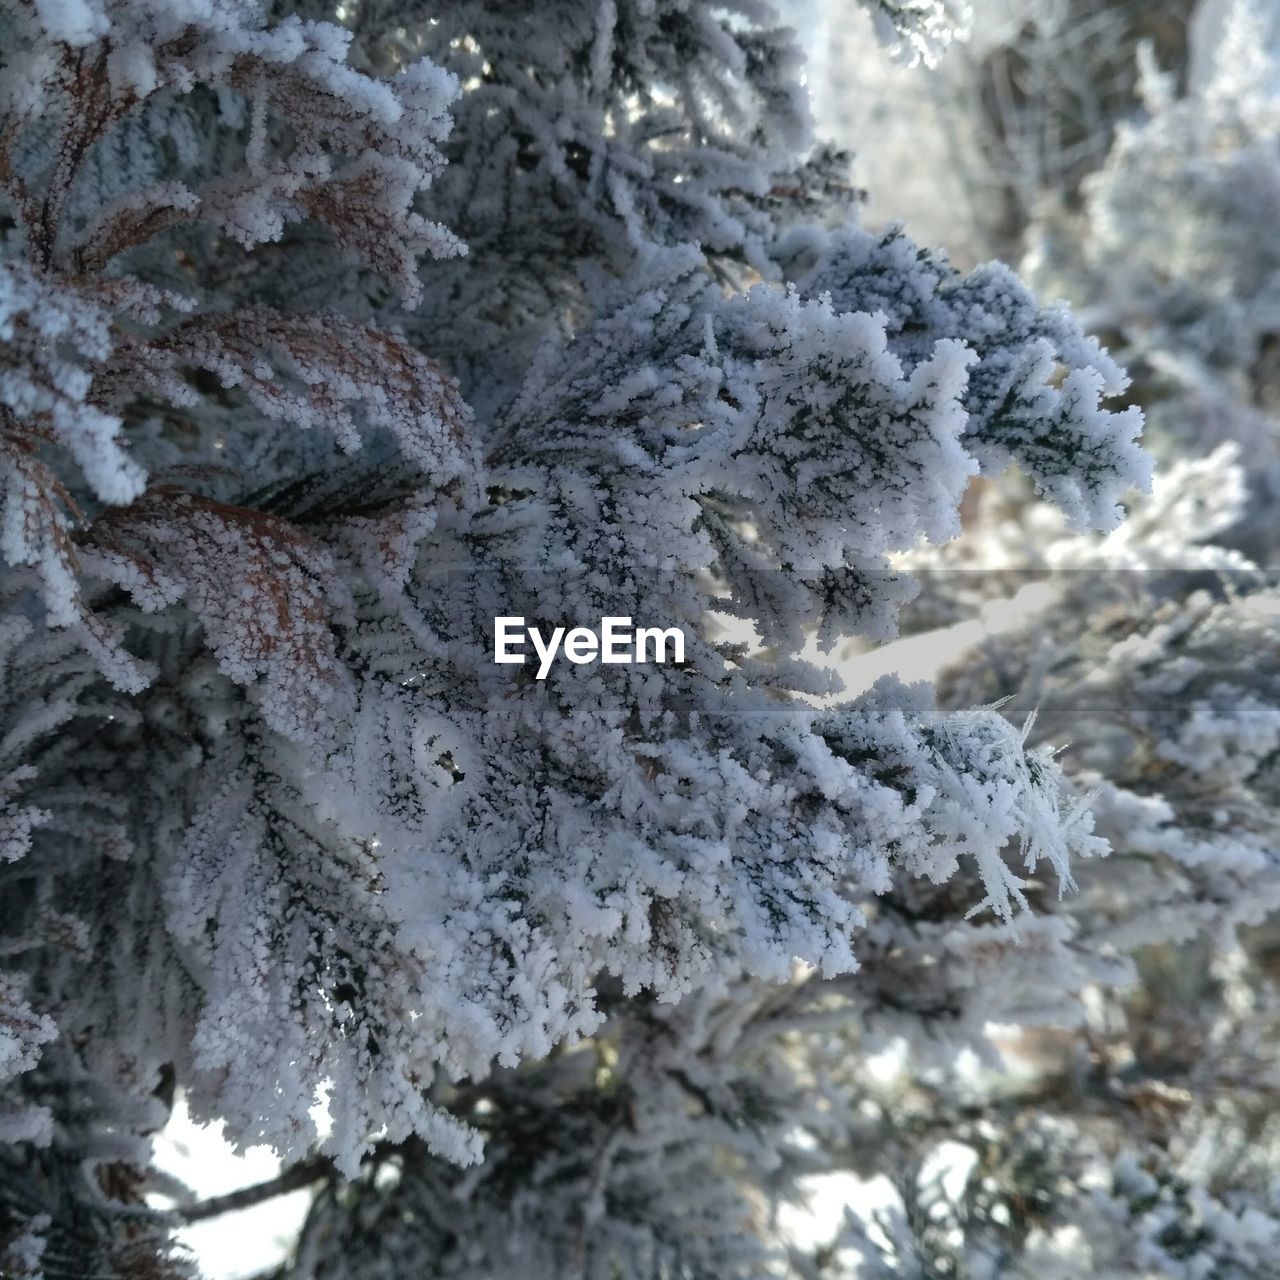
{"x": 329, "y": 337}
{"x": 1130, "y": 1131}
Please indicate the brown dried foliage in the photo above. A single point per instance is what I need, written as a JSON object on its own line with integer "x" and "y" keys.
{"x": 307, "y": 370}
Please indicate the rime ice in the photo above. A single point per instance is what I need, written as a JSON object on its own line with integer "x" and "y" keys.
{"x": 322, "y": 346}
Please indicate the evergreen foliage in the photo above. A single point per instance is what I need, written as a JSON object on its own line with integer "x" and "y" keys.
{"x": 331, "y": 334}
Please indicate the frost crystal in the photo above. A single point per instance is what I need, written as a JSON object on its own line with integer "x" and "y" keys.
{"x": 323, "y": 347}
